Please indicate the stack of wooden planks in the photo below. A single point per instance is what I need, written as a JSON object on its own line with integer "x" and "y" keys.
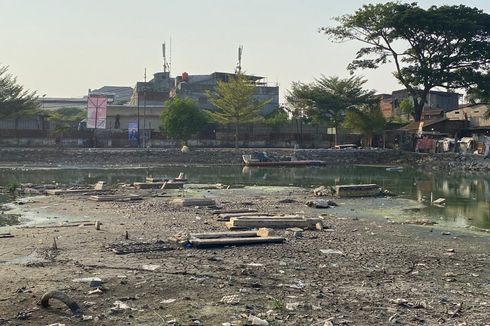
{"x": 275, "y": 221}
{"x": 232, "y": 238}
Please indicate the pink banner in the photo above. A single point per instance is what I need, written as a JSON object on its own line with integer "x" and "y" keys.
{"x": 96, "y": 112}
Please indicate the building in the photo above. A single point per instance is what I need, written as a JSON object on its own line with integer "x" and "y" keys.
{"x": 198, "y": 86}
{"x": 118, "y": 94}
{"x": 51, "y": 103}
{"x": 163, "y": 87}
{"x": 436, "y": 104}
{"x": 153, "y": 92}
{"x": 474, "y": 114}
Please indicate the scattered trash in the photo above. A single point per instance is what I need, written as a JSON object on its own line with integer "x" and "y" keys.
{"x": 405, "y": 303}
{"x": 150, "y": 267}
{"x": 231, "y": 299}
{"x": 323, "y": 191}
{"x": 322, "y": 203}
{"x": 96, "y": 291}
{"x": 167, "y": 301}
{"x": 331, "y": 252}
{"x": 58, "y": 295}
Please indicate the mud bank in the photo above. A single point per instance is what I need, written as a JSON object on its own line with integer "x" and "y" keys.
{"x": 357, "y": 271}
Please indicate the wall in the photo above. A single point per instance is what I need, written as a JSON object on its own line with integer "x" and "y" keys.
{"x": 473, "y": 113}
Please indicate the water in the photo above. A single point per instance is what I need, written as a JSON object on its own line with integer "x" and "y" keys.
{"x": 467, "y": 196}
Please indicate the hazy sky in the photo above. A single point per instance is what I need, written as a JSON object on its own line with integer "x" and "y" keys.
{"x": 63, "y": 48}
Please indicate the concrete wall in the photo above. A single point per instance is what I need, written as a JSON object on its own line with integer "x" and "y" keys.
{"x": 473, "y": 113}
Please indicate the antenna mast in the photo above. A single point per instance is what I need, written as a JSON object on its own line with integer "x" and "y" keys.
{"x": 238, "y": 68}
{"x": 166, "y": 66}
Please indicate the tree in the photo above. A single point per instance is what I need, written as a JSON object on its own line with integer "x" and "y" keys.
{"x": 444, "y": 46}
{"x": 328, "y": 98}
{"x": 276, "y": 116}
{"x": 406, "y": 107}
{"x": 234, "y": 102}
{"x": 15, "y": 101}
{"x": 367, "y": 120}
{"x": 182, "y": 118}
{"x": 66, "y": 118}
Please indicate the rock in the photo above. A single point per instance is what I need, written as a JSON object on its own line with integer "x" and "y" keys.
{"x": 323, "y": 191}
{"x": 292, "y": 305}
{"x": 253, "y": 320}
{"x": 150, "y": 267}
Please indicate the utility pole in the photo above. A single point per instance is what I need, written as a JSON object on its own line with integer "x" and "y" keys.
{"x": 138, "y": 105}
{"x": 144, "y": 114}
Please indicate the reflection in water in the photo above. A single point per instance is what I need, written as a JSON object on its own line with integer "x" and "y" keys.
{"x": 467, "y": 197}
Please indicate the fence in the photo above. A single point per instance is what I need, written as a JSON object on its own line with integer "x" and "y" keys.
{"x": 213, "y": 135}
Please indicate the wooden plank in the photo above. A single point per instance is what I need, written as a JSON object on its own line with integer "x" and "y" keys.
{"x": 100, "y": 198}
{"x": 234, "y": 241}
{"x": 216, "y": 235}
{"x": 226, "y": 217}
{"x": 148, "y": 185}
{"x": 233, "y": 211}
{"x": 193, "y": 202}
{"x": 237, "y": 222}
{"x": 6, "y": 235}
{"x": 360, "y": 190}
{"x": 173, "y": 185}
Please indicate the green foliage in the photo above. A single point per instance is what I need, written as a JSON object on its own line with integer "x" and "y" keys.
{"x": 444, "y": 46}
{"x": 277, "y": 304}
{"x": 15, "y": 102}
{"x": 328, "y": 98}
{"x": 276, "y": 116}
{"x": 182, "y": 118}
{"x": 406, "y": 107}
{"x": 66, "y": 118}
{"x": 234, "y": 102}
{"x": 368, "y": 121}
{"x": 12, "y": 187}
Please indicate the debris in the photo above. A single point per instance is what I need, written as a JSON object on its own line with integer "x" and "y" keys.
{"x": 167, "y": 301}
{"x": 87, "y": 318}
{"x": 405, "y": 303}
{"x": 231, "y": 299}
{"x": 253, "y": 320}
{"x": 233, "y": 211}
{"x": 138, "y": 247}
{"x": 292, "y": 305}
{"x": 331, "y": 252}
{"x": 321, "y": 203}
{"x": 185, "y": 202}
{"x": 97, "y": 225}
{"x": 119, "y": 306}
{"x": 360, "y": 190}
{"x": 286, "y": 201}
{"x": 55, "y": 245}
{"x": 6, "y": 235}
{"x": 99, "y": 185}
{"x": 96, "y": 291}
{"x": 323, "y": 191}
{"x": 150, "y": 267}
{"x": 87, "y": 280}
{"x": 234, "y": 241}
{"x": 439, "y": 201}
{"x": 100, "y": 198}
{"x": 395, "y": 169}
{"x": 420, "y": 222}
{"x": 272, "y": 222}
{"x": 265, "y": 232}
{"x": 227, "y": 216}
{"x": 446, "y": 233}
{"x": 58, "y": 295}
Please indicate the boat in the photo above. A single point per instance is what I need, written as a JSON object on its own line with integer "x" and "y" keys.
{"x": 249, "y": 160}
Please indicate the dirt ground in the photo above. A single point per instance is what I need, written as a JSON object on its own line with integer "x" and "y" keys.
{"x": 380, "y": 273}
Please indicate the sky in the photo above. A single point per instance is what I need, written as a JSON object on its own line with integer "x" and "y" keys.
{"x": 62, "y": 48}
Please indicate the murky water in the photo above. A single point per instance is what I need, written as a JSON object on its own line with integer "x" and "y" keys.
{"x": 467, "y": 197}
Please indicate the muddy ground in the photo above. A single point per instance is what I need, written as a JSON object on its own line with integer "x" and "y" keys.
{"x": 380, "y": 273}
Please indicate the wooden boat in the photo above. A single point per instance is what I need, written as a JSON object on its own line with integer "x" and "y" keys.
{"x": 249, "y": 161}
